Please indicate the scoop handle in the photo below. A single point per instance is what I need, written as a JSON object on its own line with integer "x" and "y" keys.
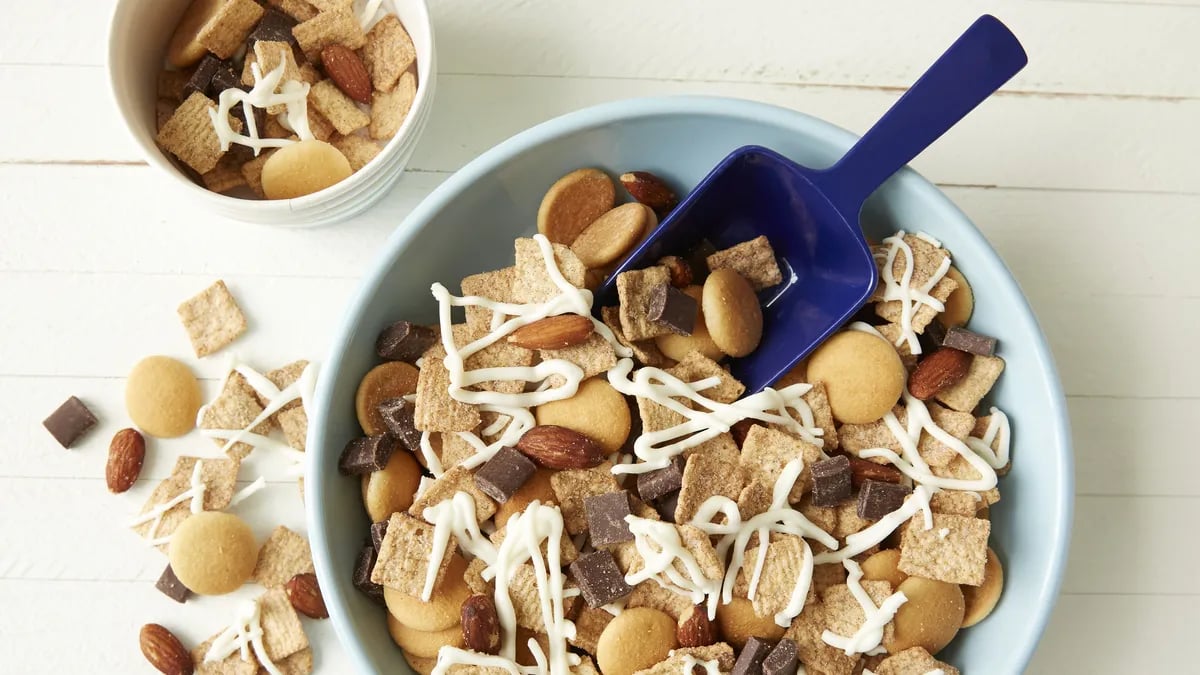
{"x": 985, "y": 57}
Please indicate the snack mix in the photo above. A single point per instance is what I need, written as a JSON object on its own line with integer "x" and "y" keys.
{"x": 556, "y": 493}
{"x": 286, "y": 99}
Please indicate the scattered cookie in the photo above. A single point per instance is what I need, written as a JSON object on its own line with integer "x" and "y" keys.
{"x": 162, "y": 397}
{"x": 573, "y": 203}
{"x": 862, "y": 374}
{"x": 732, "y": 313}
{"x": 213, "y": 553}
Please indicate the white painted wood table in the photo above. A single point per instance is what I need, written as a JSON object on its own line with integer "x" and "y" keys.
{"x": 1082, "y": 172}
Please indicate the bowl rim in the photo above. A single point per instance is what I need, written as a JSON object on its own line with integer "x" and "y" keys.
{"x": 409, "y": 133}
{"x": 1047, "y": 587}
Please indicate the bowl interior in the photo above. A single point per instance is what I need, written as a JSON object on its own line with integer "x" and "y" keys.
{"x": 468, "y": 226}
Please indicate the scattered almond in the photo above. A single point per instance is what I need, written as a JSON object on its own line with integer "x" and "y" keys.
{"x": 347, "y": 71}
{"x": 305, "y": 595}
{"x": 942, "y": 369}
{"x": 553, "y": 332}
{"x": 481, "y": 624}
{"x": 126, "y": 453}
{"x": 556, "y": 447}
{"x": 164, "y": 651}
{"x": 862, "y": 470}
{"x": 695, "y": 629}
{"x": 649, "y": 190}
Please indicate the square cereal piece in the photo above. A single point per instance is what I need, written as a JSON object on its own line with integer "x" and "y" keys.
{"x": 970, "y": 390}
{"x": 269, "y": 55}
{"x": 220, "y": 482}
{"x": 497, "y": 355}
{"x": 824, "y": 517}
{"x": 233, "y": 410}
{"x": 225, "y": 176}
{"x": 332, "y": 5}
{"x": 359, "y": 151}
{"x": 458, "y": 479}
{"x": 634, "y": 288}
{"x": 454, "y": 450}
{"x": 676, "y": 662}
{"x": 956, "y": 556}
{"x": 707, "y": 474}
{"x": 212, "y": 319}
{"x": 282, "y": 633}
{"x": 848, "y": 520}
{"x": 496, "y": 285}
{"x": 829, "y": 574}
{"x": 171, "y": 83}
{"x": 283, "y": 555}
{"x": 817, "y": 399}
{"x": 928, "y": 259}
{"x": 284, "y": 377}
{"x": 573, "y": 485}
{"x": 594, "y": 355}
{"x": 474, "y": 578}
{"x": 646, "y": 352}
{"x": 698, "y": 543}
{"x": 341, "y": 111}
{"x": 844, "y": 616}
{"x": 225, "y": 32}
{"x": 533, "y": 283}
{"x": 781, "y": 569}
{"x": 696, "y": 366}
{"x": 405, "y": 553}
{"x": 853, "y": 438}
{"x": 248, "y": 68}
{"x": 755, "y": 499}
{"x": 273, "y": 129}
{"x": 961, "y": 469}
{"x": 754, "y": 260}
{"x": 388, "y": 52}
{"x": 893, "y": 334}
{"x": 389, "y": 108}
{"x": 765, "y": 453}
{"x": 300, "y": 10}
{"x": 300, "y": 663}
{"x": 526, "y": 599}
{"x": 815, "y": 654}
{"x": 320, "y": 126}
{"x": 252, "y": 171}
{"x": 652, "y": 594}
{"x": 327, "y": 28}
{"x": 189, "y": 134}
{"x": 913, "y": 661}
{"x": 957, "y": 502}
{"x": 435, "y": 410}
{"x": 230, "y": 665}
{"x": 588, "y": 626}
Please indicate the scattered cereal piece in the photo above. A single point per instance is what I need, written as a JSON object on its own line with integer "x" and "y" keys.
{"x": 856, "y": 437}
{"x": 228, "y": 28}
{"x": 269, "y": 55}
{"x": 338, "y": 108}
{"x": 914, "y": 661}
{"x": 696, "y": 366}
{"x": 283, "y": 635}
{"x": 572, "y": 486}
{"x": 252, "y": 171}
{"x": 844, "y": 616}
{"x": 533, "y": 283}
{"x": 389, "y": 108}
{"x": 453, "y": 481}
{"x": 753, "y": 259}
{"x": 435, "y": 409}
{"x": 766, "y": 452}
{"x": 219, "y": 477}
{"x": 234, "y": 409}
{"x": 958, "y": 558}
{"x": 171, "y": 84}
{"x": 283, "y": 555}
{"x": 980, "y": 378}
{"x": 212, "y": 319}
{"x": 806, "y": 631}
{"x": 707, "y": 474}
{"x": 675, "y": 664}
{"x": 405, "y": 554}
{"x": 496, "y": 285}
{"x": 645, "y": 351}
{"x": 783, "y": 565}
{"x": 588, "y": 626}
{"x": 928, "y": 259}
{"x": 300, "y": 10}
{"x": 358, "y": 150}
{"x": 635, "y": 289}
{"x": 69, "y": 422}
{"x": 226, "y": 176}
{"x": 388, "y": 52}
{"x": 327, "y": 28}
{"x": 189, "y": 134}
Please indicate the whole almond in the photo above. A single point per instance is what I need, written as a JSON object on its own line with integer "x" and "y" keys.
{"x": 347, "y": 71}
{"x": 305, "y": 595}
{"x": 695, "y": 629}
{"x": 681, "y": 271}
{"x": 164, "y": 651}
{"x": 553, "y": 332}
{"x": 126, "y": 453}
{"x": 942, "y": 369}
{"x": 862, "y": 470}
{"x": 556, "y": 447}
{"x": 649, "y": 190}
{"x": 481, "y": 624}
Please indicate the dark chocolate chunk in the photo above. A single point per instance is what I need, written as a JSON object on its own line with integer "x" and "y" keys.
{"x": 202, "y": 77}
{"x": 404, "y": 341}
{"x": 501, "y": 476}
{"x": 666, "y": 506}
{"x": 600, "y": 580}
{"x": 172, "y": 587}
{"x": 673, "y": 308}
{"x": 934, "y": 336}
{"x": 275, "y": 26}
{"x": 974, "y": 343}
{"x": 367, "y": 454}
{"x": 378, "y": 531}
{"x": 832, "y": 480}
{"x": 697, "y": 259}
{"x": 654, "y": 484}
{"x": 876, "y": 499}
{"x": 750, "y": 661}
{"x": 225, "y": 77}
{"x": 397, "y": 415}
{"x": 606, "y": 518}
{"x": 783, "y": 659}
{"x": 362, "y": 574}
{"x": 70, "y": 422}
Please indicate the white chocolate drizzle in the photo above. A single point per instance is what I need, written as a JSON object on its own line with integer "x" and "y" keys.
{"x": 997, "y": 429}
{"x": 244, "y": 634}
{"x": 660, "y": 547}
{"x": 903, "y": 291}
{"x": 248, "y": 491}
{"x": 268, "y": 90}
{"x": 864, "y": 539}
{"x": 869, "y": 636}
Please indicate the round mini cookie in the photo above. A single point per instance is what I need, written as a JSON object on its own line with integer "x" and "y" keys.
{"x": 931, "y": 617}
{"x": 423, "y": 644}
{"x": 213, "y": 553}
{"x": 575, "y": 201}
{"x": 445, "y": 603}
{"x": 981, "y": 600}
{"x": 536, "y": 488}
{"x": 185, "y": 47}
{"x": 391, "y": 489}
{"x": 613, "y": 234}
{"x": 862, "y": 373}
{"x": 739, "y": 623}
{"x": 596, "y": 410}
{"x": 884, "y": 566}
{"x": 635, "y": 640}
{"x": 392, "y": 379}
{"x": 162, "y": 397}
{"x": 303, "y": 168}
{"x": 676, "y": 347}
{"x": 961, "y": 302}
{"x": 732, "y": 313}
{"x": 420, "y": 665}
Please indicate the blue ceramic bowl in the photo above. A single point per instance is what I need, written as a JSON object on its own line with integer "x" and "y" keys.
{"x": 468, "y": 224}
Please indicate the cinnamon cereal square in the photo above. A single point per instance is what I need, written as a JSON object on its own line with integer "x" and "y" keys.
{"x": 253, "y": 169}
{"x": 388, "y": 52}
{"x": 212, "y": 319}
{"x": 328, "y": 28}
{"x": 435, "y": 409}
{"x": 405, "y": 553}
{"x": 359, "y": 151}
{"x": 225, "y": 32}
{"x": 283, "y": 555}
{"x": 817, "y": 399}
{"x": 501, "y": 354}
{"x": 572, "y": 486}
{"x": 677, "y": 662}
{"x": 230, "y": 665}
{"x": 269, "y": 55}
{"x": 754, "y": 260}
{"x": 696, "y": 366}
{"x": 981, "y": 377}
{"x": 815, "y": 654}
{"x": 707, "y": 474}
{"x": 234, "y": 409}
{"x": 219, "y": 477}
{"x": 171, "y": 84}
{"x": 282, "y": 633}
{"x": 300, "y": 663}
{"x": 458, "y": 479}
{"x": 226, "y": 176}
{"x": 961, "y": 469}
{"x": 854, "y": 438}
{"x": 533, "y": 283}
{"x": 634, "y": 289}
{"x": 652, "y": 594}
{"x": 389, "y": 108}
{"x": 894, "y": 335}
{"x": 300, "y": 10}
{"x": 496, "y": 286}
{"x": 913, "y": 661}
{"x": 284, "y": 377}
{"x": 341, "y": 111}
{"x": 527, "y": 602}
{"x": 844, "y": 616}
{"x": 954, "y": 550}
{"x": 781, "y": 568}
{"x": 588, "y": 626}
{"x": 765, "y": 453}
{"x": 189, "y": 134}
{"x": 646, "y": 352}
{"x": 594, "y": 355}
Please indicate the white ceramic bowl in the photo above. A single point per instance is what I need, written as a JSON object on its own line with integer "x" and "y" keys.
{"x": 137, "y": 41}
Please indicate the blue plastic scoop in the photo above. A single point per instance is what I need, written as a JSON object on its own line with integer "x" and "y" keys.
{"x": 811, "y": 216}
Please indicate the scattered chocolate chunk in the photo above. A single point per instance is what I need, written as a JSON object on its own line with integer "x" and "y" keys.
{"x": 666, "y": 506}
{"x": 378, "y": 531}
{"x": 275, "y": 26}
{"x": 172, "y": 587}
{"x": 600, "y": 580}
{"x": 876, "y": 499}
{"x": 397, "y": 415}
{"x": 225, "y": 77}
{"x": 70, "y": 422}
{"x": 362, "y": 574}
{"x": 966, "y": 341}
{"x": 673, "y": 308}
{"x": 367, "y": 454}
{"x": 404, "y": 341}
{"x": 201, "y": 78}
{"x": 654, "y": 484}
{"x": 502, "y": 475}
{"x": 832, "y": 480}
{"x": 697, "y": 259}
{"x": 606, "y": 518}
{"x": 783, "y": 659}
{"x": 934, "y": 336}
{"x": 750, "y": 661}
